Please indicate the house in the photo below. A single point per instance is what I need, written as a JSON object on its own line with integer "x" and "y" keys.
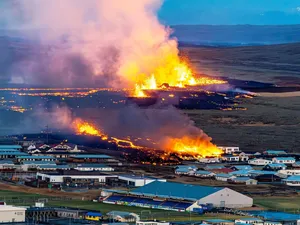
{"x": 275, "y": 167}
{"x": 241, "y": 173}
{"x": 223, "y": 176}
{"x": 223, "y": 170}
{"x": 293, "y": 181}
{"x": 296, "y": 164}
{"x": 241, "y": 167}
{"x": 91, "y": 158}
{"x": 259, "y": 162}
{"x": 229, "y": 150}
{"x": 243, "y": 180}
{"x": 273, "y": 223}
{"x": 213, "y": 167}
{"x": 254, "y": 221}
{"x": 284, "y": 160}
{"x": 209, "y": 160}
{"x": 185, "y": 169}
{"x": 288, "y": 172}
{"x": 230, "y": 158}
{"x": 120, "y": 216}
{"x": 7, "y": 165}
{"x": 204, "y": 174}
{"x": 268, "y": 178}
{"x": 275, "y": 152}
{"x": 255, "y": 173}
{"x": 11, "y": 154}
{"x": 93, "y": 167}
{"x": 244, "y": 157}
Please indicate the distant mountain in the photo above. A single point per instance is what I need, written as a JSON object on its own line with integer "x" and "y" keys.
{"x": 236, "y": 35}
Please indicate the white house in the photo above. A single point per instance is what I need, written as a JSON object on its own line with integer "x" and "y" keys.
{"x": 204, "y": 174}
{"x": 289, "y": 172}
{"x": 259, "y": 162}
{"x": 284, "y": 160}
{"x": 229, "y": 150}
{"x": 224, "y": 177}
{"x": 244, "y": 157}
{"x": 230, "y": 158}
{"x": 209, "y": 160}
{"x": 254, "y": 221}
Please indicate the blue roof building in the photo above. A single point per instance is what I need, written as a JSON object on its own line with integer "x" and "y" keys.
{"x": 242, "y": 167}
{"x": 91, "y": 156}
{"x": 10, "y": 146}
{"x": 35, "y": 158}
{"x": 241, "y": 173}
{"x": 275, "y": 166}
{"x": 203, "y": 173}
{"x": 275, "y": 152}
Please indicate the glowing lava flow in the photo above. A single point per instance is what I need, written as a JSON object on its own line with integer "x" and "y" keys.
{"x": 186, "y": 147}
{"x": 177, "y": 74}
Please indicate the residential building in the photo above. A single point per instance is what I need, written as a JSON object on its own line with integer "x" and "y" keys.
{"x": 293, "y": 181}
{"x": 284, "y": 160}
{"x": 296, "y": 164}
{"x": 275, "y": 167}
{"x": 185, "y": 169}
{"x": 243, "y": 180}
{"x": 204, "y": 174}
{"x": 241, "y": 167}
{"x": 244, "y": 157}
{"x": 275, "y": 152}
{"x": 230, "y": 158}
{"x": 289, "y": 172}
{"x": 224, "y": 176}
{"x": 259, "y": 162}
{"x": 7, "y": 165}
{"x": 268, "y": 178}
{"x": 229, "y": 150}
{"x": 28, "y": 165}
{"x": 91, "y": 158}
{"x": 209, "y": 160}
{"x": 241, "y": 173}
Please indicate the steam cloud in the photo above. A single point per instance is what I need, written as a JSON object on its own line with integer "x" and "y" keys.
{"x": 89, "y": 43}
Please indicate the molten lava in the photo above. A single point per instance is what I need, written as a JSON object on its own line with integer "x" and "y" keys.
{"x": 186, "y": 147}
{"x": 175, "y": 74}
{"x": 195, "y": 147}
{"x": 86, "y": 128}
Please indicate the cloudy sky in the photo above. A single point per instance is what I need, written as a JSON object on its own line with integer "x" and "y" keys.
{"x": 230, "y": 12}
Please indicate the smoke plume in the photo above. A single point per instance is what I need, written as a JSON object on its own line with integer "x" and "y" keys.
{"x": 89, "y": 43}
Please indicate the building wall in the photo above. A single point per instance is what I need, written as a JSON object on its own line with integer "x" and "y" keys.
{"x": 227, "y": 198}
{"x": 12, "y": 216}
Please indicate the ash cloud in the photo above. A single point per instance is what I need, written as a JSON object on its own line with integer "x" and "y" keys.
{"x": 87, "y": 43}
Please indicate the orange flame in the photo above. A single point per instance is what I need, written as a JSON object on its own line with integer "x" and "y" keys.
{"x": 183, "y": 147}
{"x": 175, "y": 74}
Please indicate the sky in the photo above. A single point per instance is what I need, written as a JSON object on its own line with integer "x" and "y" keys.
{"x": 230, "y": 12}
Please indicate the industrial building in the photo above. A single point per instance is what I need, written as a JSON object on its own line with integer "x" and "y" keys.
{"x": 73, "y": 176}
{"x": 137, "y": 180}
{"x": 10, "y": 214}
{"x": 177, "y": 196}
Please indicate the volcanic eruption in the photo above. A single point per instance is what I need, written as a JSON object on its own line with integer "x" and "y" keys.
{"x": 117, "y": 44}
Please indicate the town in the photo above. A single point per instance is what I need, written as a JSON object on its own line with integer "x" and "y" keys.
{"x": 206, "y": 190}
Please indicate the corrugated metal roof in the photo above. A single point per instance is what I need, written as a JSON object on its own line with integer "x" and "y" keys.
{"x": 38, "y": 163}
{"x": 284, "y": 158}
{"x": 91, "y": 156}
{"x": 203, "y": 172}
{"x": 243, "y": 167}
{"x": 14, "y": 153}
{"x": 276, "y": 165}
{"x": 293, "y": 178}
{"x": 176, "y": 190}
{"x": 92, "y": 165}
{"x": 36, "y": 157}
{"x": 10, "y": 146}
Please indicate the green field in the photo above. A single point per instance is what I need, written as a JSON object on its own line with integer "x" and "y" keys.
{"x": 279, "y": 203}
